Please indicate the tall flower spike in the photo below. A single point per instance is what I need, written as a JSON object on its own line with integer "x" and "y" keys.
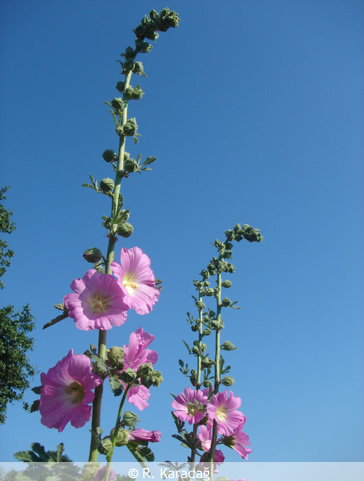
{"x": 136, "y": 279}
{"x": 97, "y": 302}
{"x": 67, "y": 392}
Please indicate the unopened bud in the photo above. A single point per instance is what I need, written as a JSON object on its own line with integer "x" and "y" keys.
{"x": 93, "y": 255}
{"x": 125, "y": 229}
{"x": 131, "y": 165}
{"x": 122, "y": 438}
{"x": 129, "y": 418}
{"x": 207, "y": 362}
{"x": 228, "y": 346}
{"x": 226, "y": 284}
{"x": 118, "y": 105}
{"x": 109, "y": 155}
{"x": 107, "y": 185}
{"x": 115, "y": 354}
{"x": 120, "y": 86}
{"x": 128, "y": 376}
{"x": 228, "y": 381}
{"x": 226, "y": 302}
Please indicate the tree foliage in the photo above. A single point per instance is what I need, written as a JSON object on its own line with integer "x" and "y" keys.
{"x": 15, "y": 327}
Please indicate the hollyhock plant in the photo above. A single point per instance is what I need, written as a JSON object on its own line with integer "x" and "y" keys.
{"x": 223, "y": 409}
{"x": 189, "y": 406}
{"x": 97, "y": 302}
{"x": 136, "y": 279}
{"x": 66, "y": 392}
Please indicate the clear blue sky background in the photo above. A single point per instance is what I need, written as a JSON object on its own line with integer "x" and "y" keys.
{"x": 255, "y": 112}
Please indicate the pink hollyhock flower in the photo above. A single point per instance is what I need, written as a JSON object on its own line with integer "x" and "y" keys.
{"x": 190, "y": 405}
{"x": 205, "y": 438}
{"x": 137, "y": 353}
{"x": 223, "y": 410}
{"x": 138, "y": 395}
{"x": 136, "y": 279}
{"x": 97, "y": 302}
{"x": 67, "y": 392}
{"x": 143, "y": 435}
{"x": 237, "y": 440}
{"x": 100, "y": 475}
{"x": 134, "y": 355}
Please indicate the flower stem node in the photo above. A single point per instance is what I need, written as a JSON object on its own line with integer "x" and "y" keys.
{"x": 109, "y": 155}
{"x": 125, "y": 229}
{"x": 107, "y": 185}
{"x": 93, "y": 255}
{"x": 115, "y": 354}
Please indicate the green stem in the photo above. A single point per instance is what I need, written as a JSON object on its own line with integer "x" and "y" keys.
{"x": 115, "y": 433}
{"x": 217, "y": 366}
{"x": 96, "y": 407}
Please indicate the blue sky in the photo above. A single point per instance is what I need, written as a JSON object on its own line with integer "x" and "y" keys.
{"x": 255, "y": 113}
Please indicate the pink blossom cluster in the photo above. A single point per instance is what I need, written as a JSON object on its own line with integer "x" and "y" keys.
{"x": 194, "y": 407}
{"x": 99, "y": 301}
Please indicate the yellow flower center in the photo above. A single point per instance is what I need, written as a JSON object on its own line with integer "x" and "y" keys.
{"x": 75, "y": 393}
{"x": 99, "y": 303}
{"x": 129, "y": 283}
{"x": 221, "y": 413}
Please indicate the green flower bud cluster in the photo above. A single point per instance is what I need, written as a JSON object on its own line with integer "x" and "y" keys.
{"x": 133, "y": 94}
{"x": 155, "y": 22}
{"x": 128, "y": 129}
{"x": 148, "y": 377}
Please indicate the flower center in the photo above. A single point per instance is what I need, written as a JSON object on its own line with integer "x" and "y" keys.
{"x": 99, "y": 303}
{"x": 130, "y": 284}
{"x": 75, "y": 393}
{"x": 221, "y": 413}
{"x": 192, "y": 409}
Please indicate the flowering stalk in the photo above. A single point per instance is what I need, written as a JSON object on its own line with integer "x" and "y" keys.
{"x": 124, "y": 127}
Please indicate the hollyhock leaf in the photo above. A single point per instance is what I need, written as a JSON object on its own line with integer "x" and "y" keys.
{"x": 115, "y": 386}
{"x": 26, "y": 456}
{"x": 35, "y": 406}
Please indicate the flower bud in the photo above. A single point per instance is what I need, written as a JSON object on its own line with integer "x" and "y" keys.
{"x": 128, "y": 93}
{"x": 207, "y": 362}
{"x": 122, "y": 438}
{"x": 194, "y": 328}
{"x": 105, "y": 446}
{"x": 118, "y": 105}
{"x": 217, "y": 325}
{"x": 128, "y": 65}
{"x": 228, "y": 381}
{"x": 138, "y": 68}
{"x": 130, "y": 127}
{"x": 128, "y": 376}
{"x": 115, "y": 354}
{"x": 130, "y": 165}
{"x": 125, "y": 229}
{"x": 93, "y": 255}
{"x": 226, "y": 302}
{"x": 120, "y": 86}
{"x": 129, "y": 418}
{"x": 152, "y": 35}
{"x": 207, "y": 383}
{"x": 228, "y": 346}
{"x": 107, "y": 185}
{"x": 226, "y": 284}
{"x": 129, "y": 53}
{"x": 193, "y": 377}
{"x": 206, "y": 332}
{"x": 139, "y": 32}
{"x": 142, "y": 47}
{"x": 109, "y": 155}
